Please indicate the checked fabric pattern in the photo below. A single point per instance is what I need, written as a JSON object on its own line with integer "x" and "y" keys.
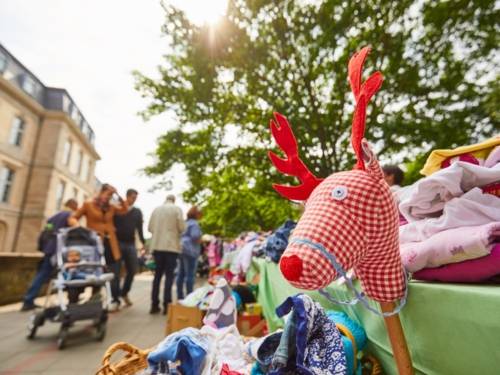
{"x": 360, "y": 230}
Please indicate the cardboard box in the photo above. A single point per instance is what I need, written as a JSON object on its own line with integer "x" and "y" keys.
{"x": 179, "y": 317}
{"x": 251, "y": 325}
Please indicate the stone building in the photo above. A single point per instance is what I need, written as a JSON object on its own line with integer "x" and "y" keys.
{"x": 47, "y": 154}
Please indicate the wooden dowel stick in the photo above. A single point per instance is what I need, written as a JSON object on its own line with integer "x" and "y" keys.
{"x": 398, "y": 340}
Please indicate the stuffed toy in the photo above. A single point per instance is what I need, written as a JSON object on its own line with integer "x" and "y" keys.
{"x": 350, "y": 218}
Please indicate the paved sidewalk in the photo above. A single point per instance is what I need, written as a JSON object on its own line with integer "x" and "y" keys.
{"x": 83, "y": 353}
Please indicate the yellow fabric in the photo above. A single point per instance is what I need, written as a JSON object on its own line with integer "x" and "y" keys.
{"x": 346, "y": 332}
{"x": 479, "y": 150}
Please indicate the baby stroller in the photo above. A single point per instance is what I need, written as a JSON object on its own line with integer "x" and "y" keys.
{"x": 80, "y": 263}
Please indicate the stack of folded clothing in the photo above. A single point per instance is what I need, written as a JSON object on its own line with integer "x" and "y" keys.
{"x": 453, "y": 216}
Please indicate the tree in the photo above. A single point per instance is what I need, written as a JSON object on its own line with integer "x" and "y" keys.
{"x": 440, "y": 90}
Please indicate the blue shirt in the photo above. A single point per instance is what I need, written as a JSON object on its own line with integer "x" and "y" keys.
{"x": 190, "y": 239}
{"x": 58, "y": 221}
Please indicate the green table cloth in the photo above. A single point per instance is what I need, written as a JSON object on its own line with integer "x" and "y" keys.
{"x": 451, "y": 329}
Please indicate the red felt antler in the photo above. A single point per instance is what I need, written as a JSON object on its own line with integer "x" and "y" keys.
{"x": 362, "y": 94}
{"x": 291, "y": 165}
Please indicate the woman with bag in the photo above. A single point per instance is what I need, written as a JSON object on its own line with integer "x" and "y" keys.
{"x": 191, "y": 247}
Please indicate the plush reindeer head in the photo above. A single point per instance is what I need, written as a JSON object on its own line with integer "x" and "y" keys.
{"x": 350, "y": 216}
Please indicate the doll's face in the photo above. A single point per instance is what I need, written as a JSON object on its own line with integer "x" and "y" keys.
{"x": 73, "y": 256}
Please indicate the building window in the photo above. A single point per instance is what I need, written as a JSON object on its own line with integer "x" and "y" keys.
{"x": 3, "y": 62}
{"x": 79, "y": 163}
{"x": 66, "y": 103}
{"x": 75, "y": 115}
{"x": 75, "y": 194}
{"x": 29, "y": 85}
{"x": 6, "y": 180}
{"x": 68, "y": 146}
{"x": 60, "y": 194}
{"x": 16, "y": 132}
{"x": 89, "y": 172}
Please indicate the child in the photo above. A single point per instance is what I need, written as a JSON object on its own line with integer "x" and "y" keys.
{"x": 71, "y": 271}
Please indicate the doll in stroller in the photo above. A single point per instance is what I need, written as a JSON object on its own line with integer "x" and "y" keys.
{"x": 80, "y": 264}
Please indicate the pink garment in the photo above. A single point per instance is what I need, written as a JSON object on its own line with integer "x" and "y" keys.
{"x": 493, "y": 158}
{"x": 471, "y": 209}
{"x": 427, "y": 197}
{"x": 451, "y": 246}
{"x": 213, "y": 254}
{"x": 468, "y": 158}
{"x": 469, "y": 271}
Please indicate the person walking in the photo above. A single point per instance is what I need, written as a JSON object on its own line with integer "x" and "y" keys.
{"x": 191, "y": 248}
{"x": 126, "y": 227}
{"x": 47, "y": 243}
{"x": 99, "y": 213}
{"x": 166, "y": 225}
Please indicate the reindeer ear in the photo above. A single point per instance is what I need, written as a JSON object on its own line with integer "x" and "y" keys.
{"x": 371, "y": 162}
{"x": 368, "y": 155}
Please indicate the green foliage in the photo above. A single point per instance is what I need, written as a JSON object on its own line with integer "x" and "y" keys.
{"x": 223, "y": 82}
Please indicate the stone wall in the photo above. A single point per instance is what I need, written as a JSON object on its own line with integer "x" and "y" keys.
{"x": 16, "y": 274}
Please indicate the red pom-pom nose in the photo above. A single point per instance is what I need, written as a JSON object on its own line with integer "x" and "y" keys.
{"x": 291, "y": 267}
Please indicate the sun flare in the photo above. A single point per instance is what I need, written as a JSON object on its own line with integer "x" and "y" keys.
{"x": 203, "y": 11}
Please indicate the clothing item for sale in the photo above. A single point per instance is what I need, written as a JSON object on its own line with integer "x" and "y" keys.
{"x": 480, "y": 151}
{"x": 354, "y": 339}
{"x": 427, "y": 197}
{"x": 493, "y": 158}
{"x": 471, "y": 209}
{"x": 493, "y": 189}
{"x": 243, "y": 259}
{"x": 450, "y": 246}
{"x": 227, "y": 348}
{"x": 127, "y": 224}
{"x": 469, "y": 271}
{"x": 318, "y": 342}
{"x": 214, "y": 252}
{"x": 287, "y": 347}
{"x": 188, "y": 346}
{"x": 222, "y": 308}
{"x": 266, "y": 351}
{"x": 278, "y": 241}
{"x": 199, "y": 297}
{"x": 227, "y": 371}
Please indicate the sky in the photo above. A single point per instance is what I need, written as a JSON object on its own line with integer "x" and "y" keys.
{"x": 90, "y": 48}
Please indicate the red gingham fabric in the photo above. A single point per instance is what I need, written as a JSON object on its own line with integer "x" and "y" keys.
{"x": 361, "y": 231}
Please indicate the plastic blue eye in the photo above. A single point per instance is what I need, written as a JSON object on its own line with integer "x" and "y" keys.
{"x": 339, "y": 193}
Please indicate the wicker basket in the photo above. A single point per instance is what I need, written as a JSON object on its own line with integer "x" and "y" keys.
{"x": 134, "y": 360}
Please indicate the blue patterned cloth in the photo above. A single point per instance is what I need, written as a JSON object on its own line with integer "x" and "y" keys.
{"x": 278, "y": 241}
{"x": 318, "y": 342}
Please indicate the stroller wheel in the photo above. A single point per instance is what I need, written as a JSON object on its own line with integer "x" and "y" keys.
{"x": 100, "y": 331}
{"x": 62, "y": 337}
{"x": 35, "y": 321}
